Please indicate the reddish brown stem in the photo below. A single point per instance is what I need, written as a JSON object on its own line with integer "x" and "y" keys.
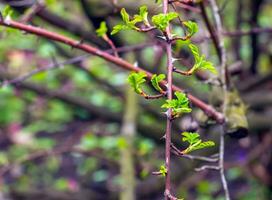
{"x": 184, "y": 73}
{"x": 151, "y": 28}
{"x": 168, "y": 131}
{"x": 210, "y": 111}
{"x": 154, "y": 96}
{"x": 110, "y": 42}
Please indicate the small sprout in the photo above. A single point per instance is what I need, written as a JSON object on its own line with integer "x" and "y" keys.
{"x": 194, "y": 142}
{"x": 192, "y": 27}
{"x": 200, "y": 61}
{"x": 161, "y": 21}
{"x": 179, "y": 105}
{"x": 155, "y": 80}
{"x": 7, "y": 12}
{"x": 136, "y": 80}
{"x": 163, "y": 170}
{"x": 102, "y": 30}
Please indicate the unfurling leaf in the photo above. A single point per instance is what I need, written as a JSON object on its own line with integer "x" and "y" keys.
{"x": 161, "y": 21}
{"x": 200, "y": 61}
{"x": 119, "y": 27}
{"x": 125, "y": 15}
{"x": 204, "y": 145}
{"x": 192, "y": 27}
{"x": 195, "y": 143}
{"x": 102, "y": 30}
{"x": 195, "y": 52}
{"x": 142, "y": 16}
{"x": 136, "y": 80}
{"x": 130, "y": 24}
{"x": 155, "y": 80}
{"x": 179, "y": 105}
{"x": 190, "y": 137}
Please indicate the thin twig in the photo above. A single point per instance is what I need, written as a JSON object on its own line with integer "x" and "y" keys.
{"x": 224, "y": 80}
{"x": 204, "y": 167}
{"x": 32, "y": 11}
{"x": 176, "y": 151}
{"x": 221, "y": 164}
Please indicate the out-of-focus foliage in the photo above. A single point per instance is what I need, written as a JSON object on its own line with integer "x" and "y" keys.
{"x": 48, "y": 144}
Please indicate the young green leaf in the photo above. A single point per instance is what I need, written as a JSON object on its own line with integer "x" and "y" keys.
{"x": 161, "y": 21}
{"x": 195, "y": 52}
{"x": 125, "y": 15}
{"x": 102, "y": 30}
{"x": 7, "y": 12}
{"x": 190, "y": 137}
{"x": 192, "y": 27}
{"x": 195, "y": 143}
{"x": 204, "y": 145}
{"x": 119, "y": 27}
{"x": 179, "y": 105}
{"x": 136, "y": 80}
{"x": 163, "y": 170}
{"x": 127, "y": 23}
{"x": 155, "y": 80}
{"x": 142, "y": 16}
{"x": 200, "y": 61}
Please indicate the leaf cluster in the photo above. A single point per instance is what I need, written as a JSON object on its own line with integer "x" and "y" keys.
{"x": 195, "y": 143}
{"x": 155, "y": 81}
{"x": 161, "y": 20}
{"x": 137, "y": 79}
{"x": 130, "y": 24}
{"x": 179, "y": 105}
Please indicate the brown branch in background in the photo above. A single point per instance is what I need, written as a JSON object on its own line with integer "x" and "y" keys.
{"x": 204, "y": 167}
{"x": 210, "y": 111}
{"x": 255, "y": 49}
{"x": 210, "y": 27}
{"x": 239, "y": 33}
{"x": 72, "y": 27}
{"x": 32, "y": 11}
{"x": 223, "y": 79}
{"x": 185, "y": 5}
{"x": 51, "y": 66}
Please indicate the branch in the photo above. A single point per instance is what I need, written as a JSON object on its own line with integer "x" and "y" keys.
{"x": 177, "y": 152}
{"x": 210, "y": 28}
{"x": 168, "y": 132}
{"x": 210, "y": 111}
{"x": 224, "y": 80}
{"x": 204, "y": 167}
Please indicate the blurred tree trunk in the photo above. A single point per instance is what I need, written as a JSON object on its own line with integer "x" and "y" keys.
{"x": 128, "y": 131}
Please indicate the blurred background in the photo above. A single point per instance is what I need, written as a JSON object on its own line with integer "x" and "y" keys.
{"x": 71, "y": 129}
